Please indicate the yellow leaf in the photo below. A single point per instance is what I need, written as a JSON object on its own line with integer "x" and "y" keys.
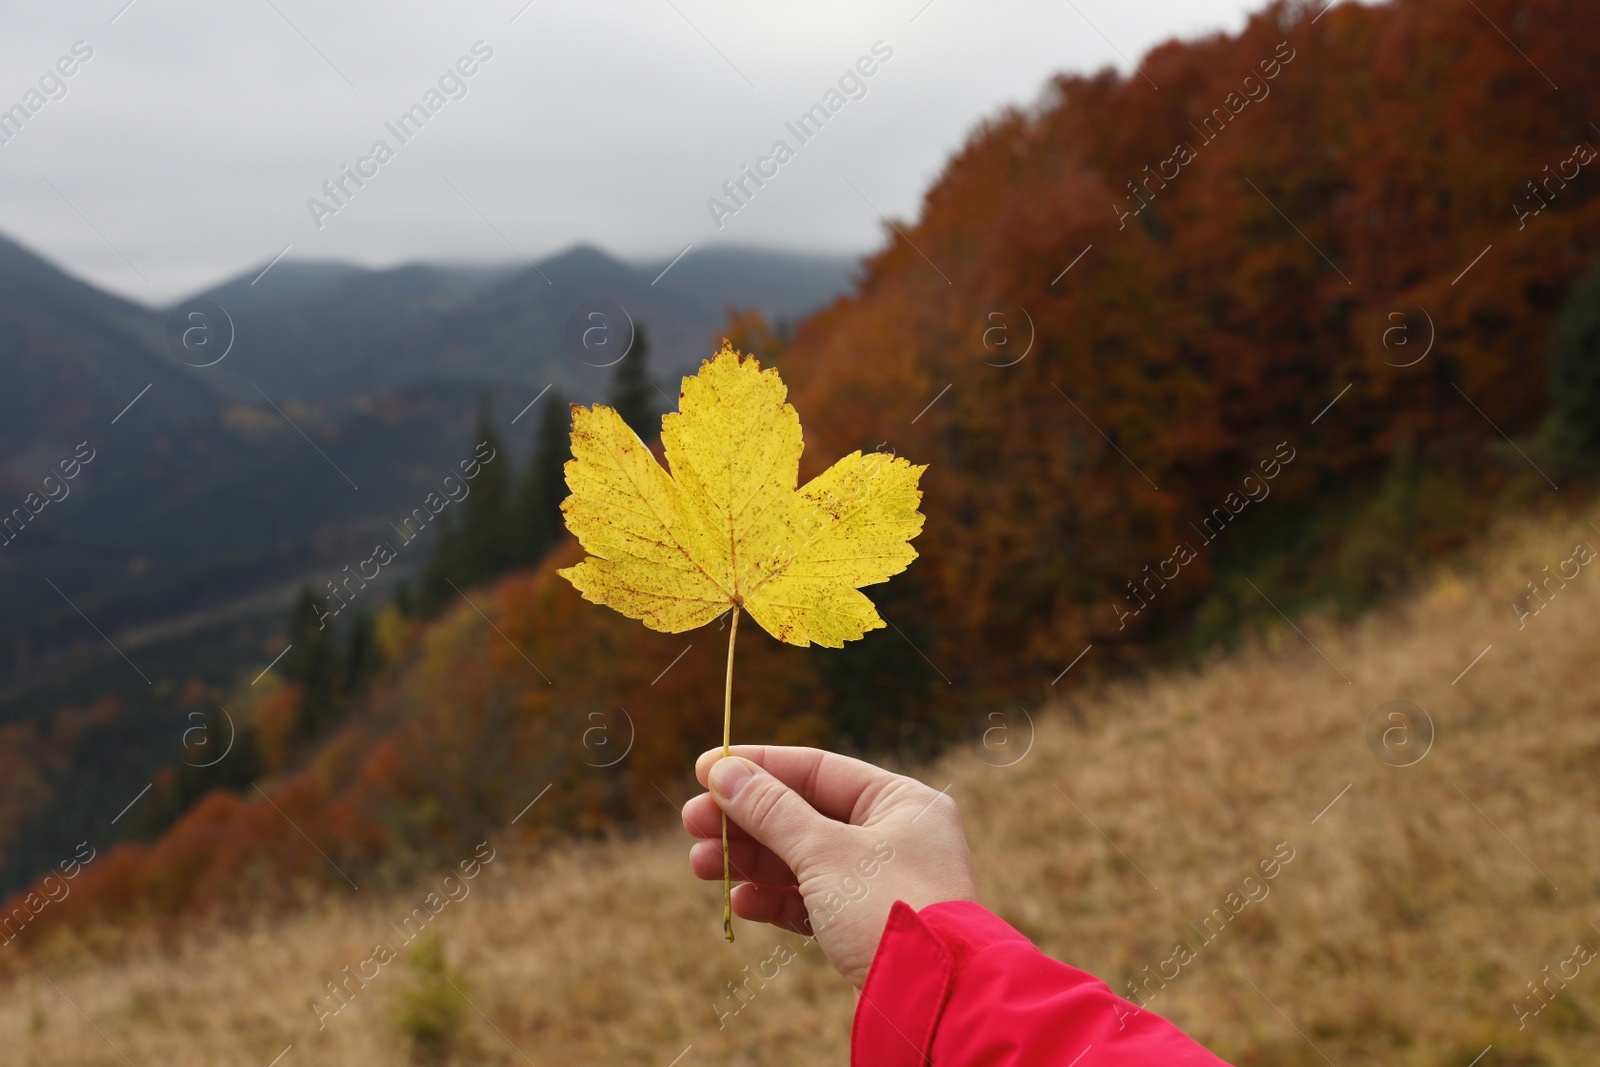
{"x": 727, "y": 527}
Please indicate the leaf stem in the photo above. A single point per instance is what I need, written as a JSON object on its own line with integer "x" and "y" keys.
{"x": 727, "y": 732}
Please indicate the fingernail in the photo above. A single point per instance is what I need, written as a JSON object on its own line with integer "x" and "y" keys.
{"x": 728, "y": 776}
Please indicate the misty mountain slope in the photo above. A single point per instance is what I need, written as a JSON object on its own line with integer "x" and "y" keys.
{"x": 71, "y": 358}
{"x": 281, "y": 511}
{"x": 347, "y": 397}
{"x": 520, "y": 331}
{"x": 83, "y": 382}
{"x": 784, "y": 286}
{"x": 205, "y": 489}
{"x": 302, "y": 325}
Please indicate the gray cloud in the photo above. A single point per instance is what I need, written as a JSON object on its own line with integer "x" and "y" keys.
{"x": 193, "y": 138}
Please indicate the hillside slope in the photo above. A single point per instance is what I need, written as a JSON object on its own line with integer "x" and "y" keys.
{"x": 303, "y": 324}
{"x": 205, "y": 508}
{"x": 1415, "y": 903}
{"x": 1120, "y": 313}
{"x": 1207, "y": 430}
{"x": 520, "y": 331}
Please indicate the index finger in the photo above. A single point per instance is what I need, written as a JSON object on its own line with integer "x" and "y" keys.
{"x": 835, "y": 785}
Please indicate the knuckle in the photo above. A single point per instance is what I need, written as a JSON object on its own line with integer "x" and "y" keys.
{"x": 939, "y": 810}
{"x": 767, "y": 804}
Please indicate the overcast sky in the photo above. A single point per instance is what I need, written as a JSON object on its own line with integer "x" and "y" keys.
{"x": 186, "y": 147}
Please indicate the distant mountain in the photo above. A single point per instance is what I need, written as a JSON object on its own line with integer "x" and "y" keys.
{"x": 221, "y": 482}
{"x": 215, "y": 491}
{"x": 302, "y": 326}
{"x": 784, "y": 286}
{"x": 286, "y": 280}
{"x": 83, "y": 377}
{"x": 71, "y": 357}
{"x": 332, "y": 331}
{"x": 518, "y": 331}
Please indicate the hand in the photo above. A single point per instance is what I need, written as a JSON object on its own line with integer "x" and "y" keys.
{"x": 823, "y": 845}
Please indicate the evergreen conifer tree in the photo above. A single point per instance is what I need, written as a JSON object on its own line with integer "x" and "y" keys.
{"x": 476, "y": 536}
{"x": 1574, "y": 420}
{"x": 537, "y": 508}
{"x": 631, "y": 392}
{"x": 485, "y": 547}
{"x": 314, "y": 663}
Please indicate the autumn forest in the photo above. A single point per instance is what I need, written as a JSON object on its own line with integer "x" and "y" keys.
{"x": 1263, "y": 328}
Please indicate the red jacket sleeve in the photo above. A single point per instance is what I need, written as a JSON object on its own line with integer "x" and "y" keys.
{"x": 954, "y": 986}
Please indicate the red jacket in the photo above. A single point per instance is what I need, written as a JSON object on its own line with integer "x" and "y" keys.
{"x": 954, "y": 986}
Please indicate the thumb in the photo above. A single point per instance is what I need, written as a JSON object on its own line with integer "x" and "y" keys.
{"x": 767, "y": 810}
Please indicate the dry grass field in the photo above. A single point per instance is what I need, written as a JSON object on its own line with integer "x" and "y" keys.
{"x": 1404, "y": 931}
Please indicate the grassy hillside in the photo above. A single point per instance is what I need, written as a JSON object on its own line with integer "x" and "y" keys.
{"x": 1417, "y": 903}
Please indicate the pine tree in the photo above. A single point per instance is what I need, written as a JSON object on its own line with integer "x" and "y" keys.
{"x": 313, "y": 662}
{"x": 433, "y": 587}
{"x": 361, "y": 659}
{"x": 1574, "y": 425}
{"x": 476, "y": 536}
{"x": 537, "y": 508}
{"x": 631, "y": 392}
{"x": 486, "y": 547}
